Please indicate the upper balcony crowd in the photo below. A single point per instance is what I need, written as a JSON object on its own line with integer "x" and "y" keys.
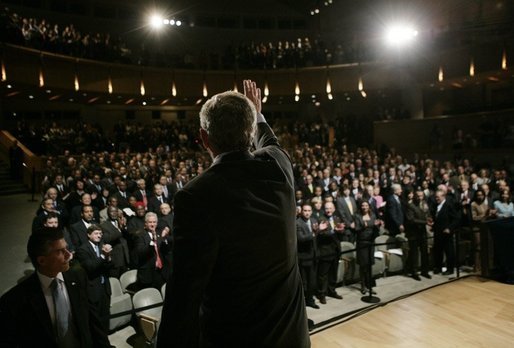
{"x": 69, "y": 40}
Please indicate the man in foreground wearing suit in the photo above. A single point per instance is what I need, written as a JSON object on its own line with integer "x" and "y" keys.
{"x": 50, "y": 308}
{"x": 235, "y": 279}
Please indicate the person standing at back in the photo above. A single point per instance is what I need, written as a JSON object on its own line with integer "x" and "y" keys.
{"x": 235, "y": 279}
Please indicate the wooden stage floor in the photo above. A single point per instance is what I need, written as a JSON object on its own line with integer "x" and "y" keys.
{"x": 469, "y": 312}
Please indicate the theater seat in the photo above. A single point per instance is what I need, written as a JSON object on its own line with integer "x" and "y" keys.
{"x": 393, "y": 257}
{"x": 163, "y": 290}
{"x": 128, "y": 278}
{"x": 120, "y": 302}
{"x": 149, "y": 319}
{"x": 346, "y": 269}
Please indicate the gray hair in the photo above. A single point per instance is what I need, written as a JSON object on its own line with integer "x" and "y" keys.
{"x": 230, "y": 120}
{"x": 149, "y": 215}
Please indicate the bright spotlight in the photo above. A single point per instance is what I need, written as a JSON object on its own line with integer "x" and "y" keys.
{"x": 400, "y": 34}
{"x": 156, "y": 21}
{"x": 166, "y": 21}
{"x": 172, "y": 22}
{"x": 178, "y": 23}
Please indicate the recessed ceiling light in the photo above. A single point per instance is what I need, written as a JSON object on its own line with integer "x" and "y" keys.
{"x": 31, "y": 97}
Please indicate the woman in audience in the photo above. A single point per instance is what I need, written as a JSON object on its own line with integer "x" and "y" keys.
{"x": 366, "y": 226}
{"x": 480, "y": 211}
{"x": 504, "y": 206}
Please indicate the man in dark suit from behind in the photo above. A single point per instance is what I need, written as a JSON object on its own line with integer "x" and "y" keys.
{"x": 306, "y": 227}
{"x": 95, "y": 258}
{"x": 235, "y": 283}
{"x": 50, "y": 308}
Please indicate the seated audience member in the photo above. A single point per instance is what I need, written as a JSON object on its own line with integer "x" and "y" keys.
{"x": 74, "y": 198}
{"x": 102, "y": 199}
{"x": 78, "y": 230}
{"x": 122, "y": 195}
{"x": 111, "y": 202}
{"x": 157, "y": 199}
{"x": 317, "y": 208}
{"x": 58, "y": 206}
{"x": 167, "y": 189}
{"x": 76, "y": 212}
{"x": 504, "y": 207}
{"x": 47, "y": 207}
{"x": 137, "y": 222}
{"x": 165, "y": 217}
{"x": 52, "y": 220}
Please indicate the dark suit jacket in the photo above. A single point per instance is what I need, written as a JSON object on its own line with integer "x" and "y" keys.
{"x": 116, "y": 238}
{"x": 447, "y": 217}
{"x": 171, "y": 192}
{"x": 306, "y": 242}
{"x": 78, "y": 232}
{"x": 328, "y": 243}
{"x": 235, "y": 275}
{"x": 154, "y": 204}
{"x": 139, "y": 196}
{"x": 25, "y": 321}
{"x": 145, "y": 256}
{"x": 344, "y": 211}
{"x": 76, "y": 214}
{"x": 96, "y": 268}
{"x": 165, "y": 221}
{"x": 394, "y": 215}
{"x": 122, "y": 201}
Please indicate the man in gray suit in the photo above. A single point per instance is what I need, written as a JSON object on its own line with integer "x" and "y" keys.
{"x": 235, "y": 279}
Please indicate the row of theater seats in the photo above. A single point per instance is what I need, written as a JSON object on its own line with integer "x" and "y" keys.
{"x": 388, "y": 257}
{"x": 124, "y": 300}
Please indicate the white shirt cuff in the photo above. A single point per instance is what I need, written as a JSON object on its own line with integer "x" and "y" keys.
{"x": 260, "y": 118}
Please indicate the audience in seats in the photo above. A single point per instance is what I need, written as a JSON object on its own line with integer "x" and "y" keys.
{"x": 423, "y": 195}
